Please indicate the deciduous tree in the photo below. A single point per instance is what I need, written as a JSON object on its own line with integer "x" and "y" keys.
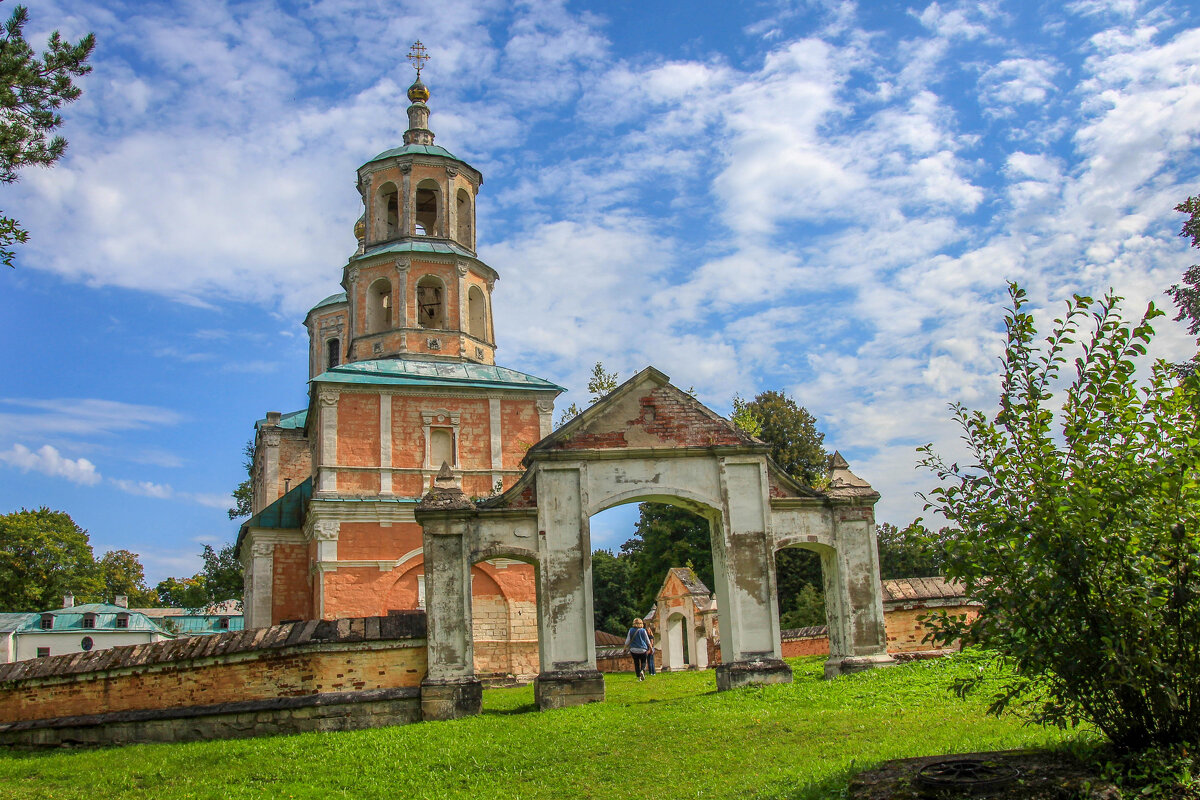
{"x": 614, "y": 605}
{"x": 220, "y": 580}
{"x": 1079, "y": 521}
{"x": 122, "y": 574}
{"x": 44, "y": 555}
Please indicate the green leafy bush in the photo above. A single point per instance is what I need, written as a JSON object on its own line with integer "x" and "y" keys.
{"x": 1080, "y": 527}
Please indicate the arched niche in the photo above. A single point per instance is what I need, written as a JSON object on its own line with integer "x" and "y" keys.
{"x": 379, "y": 306}
{"x": 431, "y": 303}
{"x": 477, "y": 313}
{"x": 465, "y": 214}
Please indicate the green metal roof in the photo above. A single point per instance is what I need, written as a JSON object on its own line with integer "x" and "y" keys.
{"x": 416, "y": 150}
{"x": 293, "y": 421}
{"x": 443, "y": 246}
{"x": 14, "y": 620}
{"x": 71, "y": 619}
{"x": 287, "y": 512}
{"x": 204, "y": 624}
{"x": 332, "y": 300}
{"x": 395, "y": 371}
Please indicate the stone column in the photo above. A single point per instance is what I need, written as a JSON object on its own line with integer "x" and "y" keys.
{"x": 385, "y": 443}
{"x": 451, "y": 215}
{"x": 450, "y": 688}
{"x": 545, "y": 417}
{"x": 262, "y": 574}
{"x": 744, "y": 568}
{"x": 402, "y": 306}
{"x": 406, "y": 200}
{"x": 566, "y": 629}
{"x": 327, "y": 420}
{"x": 497, "y": 440}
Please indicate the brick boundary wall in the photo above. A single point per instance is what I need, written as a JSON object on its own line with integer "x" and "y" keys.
{"x": 319, "y": 675}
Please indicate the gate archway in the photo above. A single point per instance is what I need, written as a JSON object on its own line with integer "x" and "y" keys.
{"x": 647, "y": 441}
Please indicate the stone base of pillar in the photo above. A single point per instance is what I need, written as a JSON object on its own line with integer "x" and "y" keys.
{"x": 751, "y": 673}
{"x": 450, "y": 699}
{"x": 568, "y": 688}
{"x": 848, "y": 665}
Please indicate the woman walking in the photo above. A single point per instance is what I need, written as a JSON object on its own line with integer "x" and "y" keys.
{"x": 637, "y": 642}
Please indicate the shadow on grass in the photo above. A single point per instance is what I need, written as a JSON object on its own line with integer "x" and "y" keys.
{"x": 525, "y": 708}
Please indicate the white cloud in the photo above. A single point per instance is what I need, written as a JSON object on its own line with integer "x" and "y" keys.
{"x": 160, "y": 491}
{"x": 48, "y": 461}
{"x": 79, "y": 416}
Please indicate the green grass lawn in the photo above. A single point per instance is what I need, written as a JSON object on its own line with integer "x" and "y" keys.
{"x": 673, "y": 736}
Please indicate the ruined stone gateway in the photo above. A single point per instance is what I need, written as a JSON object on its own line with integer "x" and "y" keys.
{"x": 648, "y": 441}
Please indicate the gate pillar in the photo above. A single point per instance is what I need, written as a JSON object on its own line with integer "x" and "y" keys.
{"x": 566, "y": 627}
{"x": 450, "y": 688}
{"x": 744, "y": 568}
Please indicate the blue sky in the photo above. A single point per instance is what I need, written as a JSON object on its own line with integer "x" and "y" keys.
{"x": 819, "y": 197}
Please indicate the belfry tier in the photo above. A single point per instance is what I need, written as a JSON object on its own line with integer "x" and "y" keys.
{"x": 415, "y": 288}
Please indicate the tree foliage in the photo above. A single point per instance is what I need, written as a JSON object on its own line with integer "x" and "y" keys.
{"x": 1187, "y": 294}
{"x": 44, "y": 555}
{"x": 911, "y": 552}
{"x": 122, "y": 574}
{"x": 614, "y": 603}
{"x": 796, "y": 444}
{"x": 243, "y": 495}
{"x": 32, "y": 89}
{"x": 601, "y": 383}
{"x": 219, "y": 580}
{"x": 1079, "y": 520}
{"x": 666, "y": 536}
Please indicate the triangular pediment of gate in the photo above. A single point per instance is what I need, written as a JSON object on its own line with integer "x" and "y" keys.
{"x": 646, "y": 411}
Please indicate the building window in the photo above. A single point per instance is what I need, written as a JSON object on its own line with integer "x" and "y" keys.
{"x": 333, "y": 353}
{"x": 89, "y": 620}
{"x": 43, "y": 652}
{"x": 431, "y": 303}
{"x": 379, "y": 306}
{"x": 86, "y": 644}
{"x": 47, "y": 621}
{"x": 122, "y": 620}
{"x": 223, "y": 623}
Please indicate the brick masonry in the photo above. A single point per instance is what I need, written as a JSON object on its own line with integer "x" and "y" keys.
{"x": 316, "y": 675}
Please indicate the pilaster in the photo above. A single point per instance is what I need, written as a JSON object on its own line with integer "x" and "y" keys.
{"x": 327, "y": 400}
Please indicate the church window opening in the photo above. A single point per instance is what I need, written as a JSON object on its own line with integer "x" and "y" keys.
{"x": 333, "y": 353}
{"x": 427, "y": 215}
{"x": 389, "y": 212}
{"x": 379, "y": 306}
{"x": 441, "y": 447}
{"x": 431, "y": 303}
{"x": 477, "y": 313}
{"x": 463, "y": 212}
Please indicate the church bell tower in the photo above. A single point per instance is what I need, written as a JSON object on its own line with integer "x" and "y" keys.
{"x": 416, "y": 289}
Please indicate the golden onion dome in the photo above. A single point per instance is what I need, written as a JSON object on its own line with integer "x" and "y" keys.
{"x": 360, "y": 228}
{"x": 418, "y": 92}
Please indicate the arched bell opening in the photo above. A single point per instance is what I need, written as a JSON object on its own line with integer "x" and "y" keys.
{"x": 427, "y": 207}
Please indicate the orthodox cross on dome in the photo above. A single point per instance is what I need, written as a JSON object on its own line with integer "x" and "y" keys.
{"x": 418, "y": 55}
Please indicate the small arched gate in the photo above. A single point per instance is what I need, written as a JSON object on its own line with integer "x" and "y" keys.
{"x": 648, "y": 441}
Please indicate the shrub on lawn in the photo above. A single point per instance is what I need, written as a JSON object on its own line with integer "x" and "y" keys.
{"x": 1080, "y": 520}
